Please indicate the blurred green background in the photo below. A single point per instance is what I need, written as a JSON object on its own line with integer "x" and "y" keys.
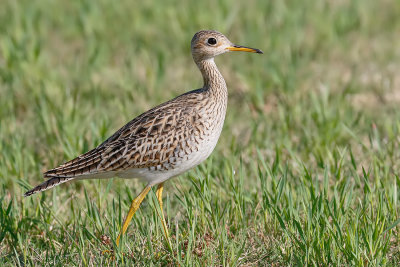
{"x": 307, "y": 166}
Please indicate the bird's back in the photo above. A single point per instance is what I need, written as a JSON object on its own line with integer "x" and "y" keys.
{"x": 160, "y": 143}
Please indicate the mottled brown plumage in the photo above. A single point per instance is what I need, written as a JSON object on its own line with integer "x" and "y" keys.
{"x": 164, "y": 141}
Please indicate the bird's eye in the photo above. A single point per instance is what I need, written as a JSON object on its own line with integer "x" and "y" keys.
{"x": 212, "y": 41}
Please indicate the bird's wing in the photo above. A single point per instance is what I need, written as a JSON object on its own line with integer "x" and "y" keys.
{"x": 148, "y": 140}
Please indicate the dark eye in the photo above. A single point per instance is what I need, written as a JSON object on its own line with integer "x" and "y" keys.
{"x": 212, "y": 41}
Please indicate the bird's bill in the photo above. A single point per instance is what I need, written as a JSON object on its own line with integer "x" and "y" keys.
{"x": 244, "y": 49}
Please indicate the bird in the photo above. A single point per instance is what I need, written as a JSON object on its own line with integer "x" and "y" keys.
{"x": 165, "y": 141}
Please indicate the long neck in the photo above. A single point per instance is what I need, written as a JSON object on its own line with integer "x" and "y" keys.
{"x": 213, "y": 80}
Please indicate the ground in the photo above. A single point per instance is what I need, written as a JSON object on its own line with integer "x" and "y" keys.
{"x": 307, "y": 166}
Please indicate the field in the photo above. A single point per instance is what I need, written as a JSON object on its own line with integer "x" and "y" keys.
{"x": 306, "y": 171}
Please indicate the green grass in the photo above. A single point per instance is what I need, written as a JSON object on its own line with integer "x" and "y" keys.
{"x": 307, "y": 168}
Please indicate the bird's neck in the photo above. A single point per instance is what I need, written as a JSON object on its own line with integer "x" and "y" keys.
{"x": 213, "y": 80}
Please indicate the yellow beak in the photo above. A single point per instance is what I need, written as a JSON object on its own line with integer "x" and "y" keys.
{"x": 244, "y": 49}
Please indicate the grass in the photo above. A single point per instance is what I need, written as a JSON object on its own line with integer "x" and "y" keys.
{"x": 307, "y": 168}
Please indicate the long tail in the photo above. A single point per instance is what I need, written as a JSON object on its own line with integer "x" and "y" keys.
{"x": 83, "y": 166}
{"x": 48, "y": 184}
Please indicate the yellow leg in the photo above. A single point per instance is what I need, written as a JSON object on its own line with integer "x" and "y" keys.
{"x": 159, "y": 197}
{"x": 134, "y": 207}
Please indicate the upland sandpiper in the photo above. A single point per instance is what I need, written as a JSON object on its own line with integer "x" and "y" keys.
{"x": 165, "y": 141}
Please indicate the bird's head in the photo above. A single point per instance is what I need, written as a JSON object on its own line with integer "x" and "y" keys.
{"x": 208, "y": 44}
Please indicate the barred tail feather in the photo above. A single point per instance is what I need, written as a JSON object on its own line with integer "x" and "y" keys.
{"x": 47, "y": 185}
